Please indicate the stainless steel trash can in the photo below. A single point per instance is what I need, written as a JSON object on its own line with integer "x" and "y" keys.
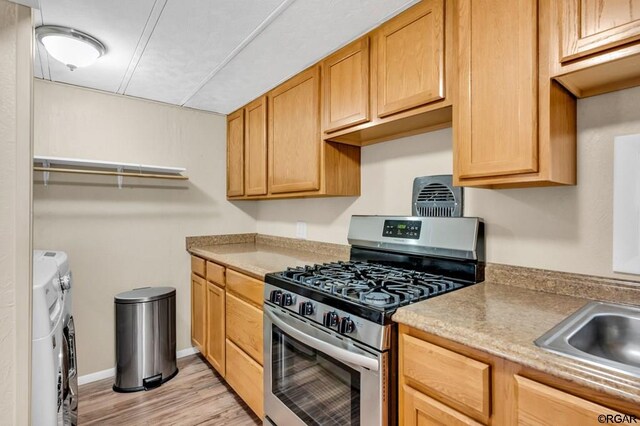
{"x": 145, "y": 338}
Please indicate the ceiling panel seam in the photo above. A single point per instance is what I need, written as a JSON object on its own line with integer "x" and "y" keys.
{"x": 313, "y": 61}
{"x": 149, "y": 27}
{"x": 259, "y": 29}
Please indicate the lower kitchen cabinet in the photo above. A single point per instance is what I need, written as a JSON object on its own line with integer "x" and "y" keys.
{"x": 419, "y": 409}
{"x": 445, "y": 383}
{"x": 226, "y": 326}
{"x": 244, "y": 326}
{"x": 215, "y": 352}
{"x": 198, "y": 312}
{"x": 538, "y": 404}
{"x": 244, "y": 375}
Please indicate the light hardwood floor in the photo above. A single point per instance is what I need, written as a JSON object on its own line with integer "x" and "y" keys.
{"x": 196, "y": 396}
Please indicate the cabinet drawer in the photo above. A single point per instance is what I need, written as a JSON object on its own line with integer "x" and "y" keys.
{"x": 246, "y": 287}
{"x": 245, "y": 377}
{"x": 197, "y": 266}
{"x": 244, "y": 326}
{"x": 215, "y": 273}
{"x": 455, "y": 379}
{"x": 419, "y": 409}
{"x": 540, "y": 404}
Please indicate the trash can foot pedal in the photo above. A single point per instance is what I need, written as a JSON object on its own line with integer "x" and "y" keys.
{"x": 152, "y": 382}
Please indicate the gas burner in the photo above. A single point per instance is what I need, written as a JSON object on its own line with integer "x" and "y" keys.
{"x": 377, "y": 298}
{"x": 370, "y": 284}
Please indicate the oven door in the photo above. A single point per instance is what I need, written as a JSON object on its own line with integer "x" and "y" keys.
{"x": 316, "y": 377}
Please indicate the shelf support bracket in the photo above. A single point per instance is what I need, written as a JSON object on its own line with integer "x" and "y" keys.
{"x": 45, "y": 175}
{"x": 120, "y": 177}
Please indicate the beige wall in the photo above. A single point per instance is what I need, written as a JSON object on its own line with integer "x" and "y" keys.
{"x": 563, "y": 228}
{"x": 118, "y": 239}
{"x": 15, "y": 213}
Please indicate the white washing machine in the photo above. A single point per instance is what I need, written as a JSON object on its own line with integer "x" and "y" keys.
{"x": 54, "y": 363}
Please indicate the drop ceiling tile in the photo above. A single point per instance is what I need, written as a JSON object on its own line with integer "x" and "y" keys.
{"x": 191, "y": 38}
{"x": 116, "y": 23}
{"x": 304, "y": 33}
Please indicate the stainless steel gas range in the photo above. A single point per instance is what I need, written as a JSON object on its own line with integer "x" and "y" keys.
{"x": 329, "y": 341}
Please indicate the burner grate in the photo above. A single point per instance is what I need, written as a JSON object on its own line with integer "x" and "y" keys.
{"x": 370, "y": 284}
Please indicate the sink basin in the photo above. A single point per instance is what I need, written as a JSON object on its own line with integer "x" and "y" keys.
{"x": 605, "y": 334}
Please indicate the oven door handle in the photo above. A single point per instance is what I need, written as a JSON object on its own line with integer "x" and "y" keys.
{"x": 329, "y": 349}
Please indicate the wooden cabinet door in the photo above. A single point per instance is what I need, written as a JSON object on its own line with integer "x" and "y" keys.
{"x": 345, "y": 87}
{"x": 235, "y": 154}
{"x": 592, "y": 26}
{"x": 216, "y": 327}
{"x": 410, "y": 65}
{"x": 198, "y": 312}
{"x": 420, "y": 410}
{"x": 495, "y": 121}
{"x": 294, "y": 134}
{"x": 255, "y": 149}
{"x": 540, "y": 405}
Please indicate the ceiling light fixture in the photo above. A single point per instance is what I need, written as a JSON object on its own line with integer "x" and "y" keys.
{"x": 71, "y": 47}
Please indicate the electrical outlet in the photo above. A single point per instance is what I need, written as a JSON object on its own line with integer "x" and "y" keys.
{"x": 301, "y": 230}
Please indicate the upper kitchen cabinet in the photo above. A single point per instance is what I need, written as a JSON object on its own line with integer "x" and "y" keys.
{"x": 284, "y": 154}
{"x": 410, "y": 59}
{"x": 513, "y": 126}
{"x": 406, "y": 90}
{"x": 255, "y": 149}
{"x": 300, "y": 163}
{"x": 345, "y": 87}
{"x": 596, "y": 44}
{"x": 294, "y": 127}
{"x": 235, "y": 154}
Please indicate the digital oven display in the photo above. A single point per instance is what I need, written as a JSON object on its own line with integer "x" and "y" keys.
{"x": 409, "y": 229}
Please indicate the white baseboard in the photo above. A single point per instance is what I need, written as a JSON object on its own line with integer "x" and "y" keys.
{"x": 187, "y": 352}
{"x": 98, "y": 375}
{"x": 111, "y": 372}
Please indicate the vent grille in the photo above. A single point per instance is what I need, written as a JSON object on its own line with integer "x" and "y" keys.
{"x": 435, "y": 196}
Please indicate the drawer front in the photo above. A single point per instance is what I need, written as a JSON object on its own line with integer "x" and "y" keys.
{"x": 215, "y": 273}
{"x": 419, "y": 409}
{"x": 246, "y": 287}
{"x": 540, "y": 404}
{"x": 245, "y": 377}
{"x": 197, "y": 266}
{"x": 455, "y": 379}
{"x": 244, "y": 326}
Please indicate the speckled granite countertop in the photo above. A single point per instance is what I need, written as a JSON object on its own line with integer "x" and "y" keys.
{"x": 504, "y": 320}
{"x": 257, "y": 255}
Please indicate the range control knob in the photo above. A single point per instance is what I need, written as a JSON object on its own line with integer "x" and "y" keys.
{"x": 286, "y": 299}
{"x": 347, "y": 325}
{"x": 330, "y": 319}
{"x": 305, "y": 308}
{"x": 275, "y": 296}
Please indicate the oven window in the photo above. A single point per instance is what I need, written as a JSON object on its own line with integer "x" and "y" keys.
{"x": 317, "y": 388}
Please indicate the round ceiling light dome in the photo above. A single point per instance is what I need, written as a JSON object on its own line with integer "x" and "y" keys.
{"x": 73, "y": 48}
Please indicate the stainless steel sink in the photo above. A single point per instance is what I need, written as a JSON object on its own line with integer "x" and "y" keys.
{"x": 600, "y": 333}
